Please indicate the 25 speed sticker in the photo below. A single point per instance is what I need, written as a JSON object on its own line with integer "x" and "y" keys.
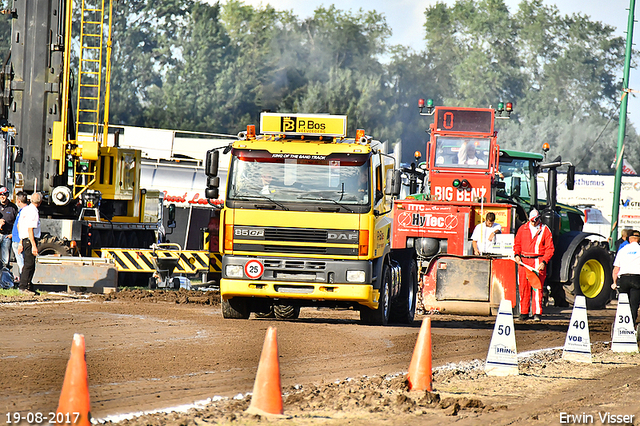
{"x": 253, "y": 269}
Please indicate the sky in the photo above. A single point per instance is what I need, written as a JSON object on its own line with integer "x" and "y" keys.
{"x": 406, "y": 19}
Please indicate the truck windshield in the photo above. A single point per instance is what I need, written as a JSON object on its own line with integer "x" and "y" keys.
{"x": 462, "y": 152}
{"x": 516, "y": 175}
{"x": 336, "y": 179}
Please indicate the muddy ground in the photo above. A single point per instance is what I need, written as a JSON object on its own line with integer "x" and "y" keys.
{"x": 150, "y": 351}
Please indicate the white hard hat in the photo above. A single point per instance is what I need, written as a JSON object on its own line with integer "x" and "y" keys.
{"x": 533, "y": 214}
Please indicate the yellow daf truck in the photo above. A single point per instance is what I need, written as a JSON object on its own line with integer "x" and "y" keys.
{"x": 306, "y": 222}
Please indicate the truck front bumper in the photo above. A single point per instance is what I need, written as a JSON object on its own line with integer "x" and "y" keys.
{"x": 363, "y": 294}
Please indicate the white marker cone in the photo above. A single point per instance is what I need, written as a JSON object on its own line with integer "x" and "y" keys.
{"x": 502, "y": 359}
{"x": 624, "y": 336}
{"x": 577, "y": 346}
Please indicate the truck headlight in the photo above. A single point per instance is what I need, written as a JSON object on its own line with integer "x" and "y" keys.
{"x": 234, "y": 271}
{"x": 356, "y": 276}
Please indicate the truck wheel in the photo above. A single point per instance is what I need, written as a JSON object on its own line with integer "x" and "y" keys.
{"x": 49, "y": 246}
{"x": 379, "y": 316}
{"x": 236, "y": 308}
{"x": 268, "y": 313}
{"x": 286, "y": 312}
{"x": 403, "y": 308}
{"x": 591, "y": 275}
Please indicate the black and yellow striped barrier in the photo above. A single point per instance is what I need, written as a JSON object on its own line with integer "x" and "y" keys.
{"x": 141, "y": 260}
{"x": 215, "y": 262}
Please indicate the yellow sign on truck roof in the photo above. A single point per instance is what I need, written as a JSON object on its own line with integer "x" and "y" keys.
{"x": 303, "y": 124}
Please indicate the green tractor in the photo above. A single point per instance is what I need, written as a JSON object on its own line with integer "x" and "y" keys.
{"x": 582, "y": 263}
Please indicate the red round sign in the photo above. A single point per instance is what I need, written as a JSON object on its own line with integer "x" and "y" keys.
{"x": 253, "y": 269}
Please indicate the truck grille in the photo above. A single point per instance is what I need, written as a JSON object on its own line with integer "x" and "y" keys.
{"x": 294, "y": 264}
{"x": 296, "y": 235}
{"x": 338, "y": 251}
{"x": 261, "y": 239}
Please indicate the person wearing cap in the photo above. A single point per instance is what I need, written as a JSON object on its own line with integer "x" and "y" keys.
{"x": 8, "y": 213}
{"x": 626, "y": 272}
{"x": 29, "y": 231}
{"x": 533, "y": 246}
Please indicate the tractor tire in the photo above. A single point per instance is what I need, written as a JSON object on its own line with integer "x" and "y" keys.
{"x": 236, "y": 308}
{"x": 403, "y": 308}
{"x": 591, "y": 275}
{"x": 379, "y": 316}
{"x": 558, "y": 295}
{"x": 52, "y": 246}
{"x": 286, "y": 312}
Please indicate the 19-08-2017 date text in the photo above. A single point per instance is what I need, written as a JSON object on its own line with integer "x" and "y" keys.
{"x": 38, "y": 418}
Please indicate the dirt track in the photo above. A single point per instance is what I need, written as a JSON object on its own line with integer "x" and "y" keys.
{"x": 148, "y": 352}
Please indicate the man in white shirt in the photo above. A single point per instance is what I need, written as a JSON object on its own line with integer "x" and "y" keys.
{"x": 467, "y": 155}
{"x": 484, "y": 234}
{"x": 29, "y": 233}
{"x": 626, "y": 272}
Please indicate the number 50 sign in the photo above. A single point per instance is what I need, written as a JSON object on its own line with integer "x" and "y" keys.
{"x": 253, "y": 269}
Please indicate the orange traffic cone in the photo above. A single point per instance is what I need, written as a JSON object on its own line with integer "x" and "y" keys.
{"x": 74, "y": 407}
{"x": 419, "y": 376}
{"x": 267, "y": 392}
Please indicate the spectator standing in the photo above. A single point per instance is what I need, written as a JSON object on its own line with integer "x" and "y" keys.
{"x": 624, "y": 238}
{"x": 8, "y": 213}
{"x": 626, "y": 272}
{"x": 484, "y": 234}
{"x": 29, "y": 232}
{"x": 532, "y": 246}
{"x": 21, "y": 202}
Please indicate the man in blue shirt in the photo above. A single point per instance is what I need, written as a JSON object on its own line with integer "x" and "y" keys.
{"x": 21, "y": 201}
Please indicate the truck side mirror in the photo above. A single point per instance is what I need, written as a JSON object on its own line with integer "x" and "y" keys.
{"x": 171, "y": 222}
{"x": 213, "y": 183}
{"x": 393, "y": 182}
{"x": 211, "y": 163}
{"x": 571, "y": 177}
{"x": 515, "y": 186}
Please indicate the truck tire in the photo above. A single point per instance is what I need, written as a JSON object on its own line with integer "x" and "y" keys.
{"x": 591, "y": 275}
{"x": 236, "y": 308}
{"x": 50, "y": 245}
{"x": 403, "y": 308}
{"x": 286, "y": 312}
{"x": 379, "y": 316}
{"x": 268, "y": 313}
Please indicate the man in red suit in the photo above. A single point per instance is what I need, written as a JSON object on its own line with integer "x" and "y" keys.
{"x": 533, "y": 246}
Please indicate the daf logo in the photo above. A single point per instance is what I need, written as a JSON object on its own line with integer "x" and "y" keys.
{"x": 343, "y": 236}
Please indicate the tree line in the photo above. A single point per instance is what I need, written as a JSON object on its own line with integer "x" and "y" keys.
{"x": 195, "y": 66}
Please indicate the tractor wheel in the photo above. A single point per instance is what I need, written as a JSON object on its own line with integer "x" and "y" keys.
{"x": 236, "y": 308}
{"x": 286, "y": 312}
{"x": 52, "y": 246}
{"x": 379, "y": 316}
{"x": 403, "y": 308}
{"x": 591, "y": 275}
